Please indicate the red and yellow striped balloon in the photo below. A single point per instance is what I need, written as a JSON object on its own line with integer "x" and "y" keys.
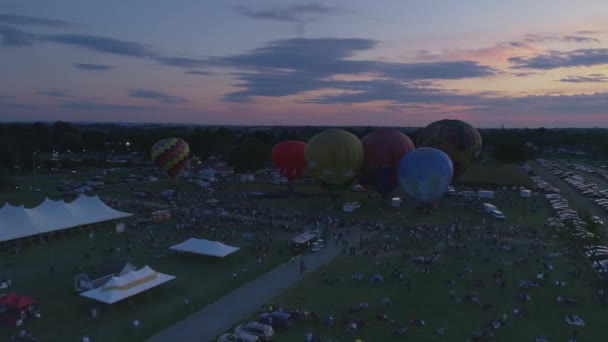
{"x": 171, "y": 156}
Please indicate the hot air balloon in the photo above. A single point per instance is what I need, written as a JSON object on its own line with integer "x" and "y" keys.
{"x": 288, "y": 158}
{"x": 334, "y": 157}
{"x": 457, "y": 138}
{"x": 425, "y": 174}
{"x": 171, "y": 156}
{"x": 383, "y": 149}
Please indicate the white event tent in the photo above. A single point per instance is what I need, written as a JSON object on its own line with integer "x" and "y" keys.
{"x": 49, "y": 216}
{"x": 127, "y": 285}
{"x": 205, "y": 247}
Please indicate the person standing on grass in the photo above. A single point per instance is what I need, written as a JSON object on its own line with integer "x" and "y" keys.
{"x": 386, "y": 301}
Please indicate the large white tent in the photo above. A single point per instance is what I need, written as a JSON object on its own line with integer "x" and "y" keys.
{"x": 50, "y": 216}
{"x": 127, "y": 285}
{"x": 205, "y": 247}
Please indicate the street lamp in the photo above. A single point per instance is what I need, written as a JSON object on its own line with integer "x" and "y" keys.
{"x": 34, "y": 161}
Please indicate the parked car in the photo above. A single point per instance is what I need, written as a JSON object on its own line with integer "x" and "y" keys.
{"x": 280, "y": 320}
{"x": 238, "y": 337}
{"x": 263, "y": 331}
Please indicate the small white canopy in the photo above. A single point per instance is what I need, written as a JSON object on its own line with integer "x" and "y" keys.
{"x": 127, "y": 285}
{"x": 204, "y": 247}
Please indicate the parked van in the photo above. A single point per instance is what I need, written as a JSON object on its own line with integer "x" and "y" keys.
{"x": 263, "y": 331}
{"x": 497, "y": 214}
{"x": 487, "y": 207}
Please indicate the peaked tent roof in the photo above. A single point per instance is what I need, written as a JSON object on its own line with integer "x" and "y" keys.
{"x": 205, "y": 247}
{"x": 16, "y": 301}
{"x": 15, "y": 223}
{"x": 50, "y": 215}
{"x": 127, "y": 285}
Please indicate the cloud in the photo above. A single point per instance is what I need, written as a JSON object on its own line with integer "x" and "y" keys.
{"x": 91, "y": 67}
{"x": 14, "y": 37}
{"x": 6, "y": 97}
{"x": 293, "y": 66}
{"x": 437, "y": 70}
{"x": 198, "y": 72}
{"x": 526, "y": 74}
{"x": 557, "y": 59}
{"x": 14, "y": 19}
{"x": 535, "y": 38}
{"x": 593, "y": 78}
{"x": 161, "y": 97}
{"x": 102, "y": 44}
{"x": 301, "y": 15}
{"x": 17, "y": 106}
{"x": 94, "y": 106}
{"x": 323, "y": 56}
{"x": 577, "y": 39}
{"x": 182, "y": 62}
{"x": 55, "y": 93}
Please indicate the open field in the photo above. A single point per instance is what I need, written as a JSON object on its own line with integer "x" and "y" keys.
{"x": 202, "y": 280}
{"x": 65, "y": 313}
{"x": 494, "y": 174}
{"x": 430, "y": 301}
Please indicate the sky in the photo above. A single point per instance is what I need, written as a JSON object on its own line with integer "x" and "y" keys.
{"x": 516, "y": 63}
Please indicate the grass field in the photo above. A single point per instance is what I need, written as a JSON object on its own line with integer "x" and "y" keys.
{"x": 430, "y": 301}
{"x": 204, "y": 279}
{"x": 64, "y": 312}
{"x": 491, "y": 174}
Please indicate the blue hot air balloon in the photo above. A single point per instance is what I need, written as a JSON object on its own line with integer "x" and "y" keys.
{"x": 425, "y": 174}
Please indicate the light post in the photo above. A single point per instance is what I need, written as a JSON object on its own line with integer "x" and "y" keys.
{"x": 34, "y": 162}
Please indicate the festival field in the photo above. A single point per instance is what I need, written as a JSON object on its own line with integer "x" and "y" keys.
{"x": 66, "y": 315}
{"x": 429, "y": 299}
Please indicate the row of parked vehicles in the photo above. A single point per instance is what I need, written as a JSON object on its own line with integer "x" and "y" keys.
{"x": 261, "y": 330}
{"x": 583, "y": 185}
{"x": 597, "y": 255}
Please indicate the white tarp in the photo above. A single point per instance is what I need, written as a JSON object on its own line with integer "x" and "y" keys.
{"x": 205, "y": 247}
{"x": 127, "y": 285}
{"x": 50, "y": 215}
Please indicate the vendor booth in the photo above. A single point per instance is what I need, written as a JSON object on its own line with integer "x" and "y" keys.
{"x": 15, "y": 308}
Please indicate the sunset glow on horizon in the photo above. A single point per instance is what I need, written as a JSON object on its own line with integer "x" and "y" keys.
{"x": 521, "y": 64}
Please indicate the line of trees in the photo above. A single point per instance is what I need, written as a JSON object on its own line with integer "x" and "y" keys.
{"x": 247, "y": 148}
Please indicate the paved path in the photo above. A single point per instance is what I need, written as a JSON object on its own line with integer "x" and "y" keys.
{"x": 219, "y": 316}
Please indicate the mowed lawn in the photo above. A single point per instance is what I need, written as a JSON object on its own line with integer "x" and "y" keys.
{"x": 66, "y": 315}
{"x": 429, "y": 299}
{"x": 495, "y": 174}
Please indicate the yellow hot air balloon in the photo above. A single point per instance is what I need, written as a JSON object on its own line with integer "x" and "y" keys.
{"x": 334, "y": 157}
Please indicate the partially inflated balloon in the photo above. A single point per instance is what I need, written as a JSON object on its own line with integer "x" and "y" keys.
{"x": 171, "y": 156}
{"x": 334, "y": 157}
{"x": 425, "y": 174}
{"x": 288, "y": 158}
{"x": 457, "y": 138}
{"x": 383, "y": 150}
